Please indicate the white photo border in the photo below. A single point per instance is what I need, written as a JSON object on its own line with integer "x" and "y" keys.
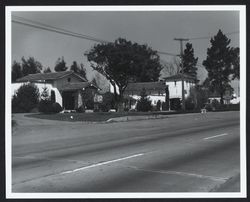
{"x": 8, "y": 132}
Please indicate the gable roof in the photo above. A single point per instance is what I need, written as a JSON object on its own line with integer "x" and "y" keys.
{"x": 178, "y": 77}
{"x": 135, "y": 88}
{"x": 48, "y": 76}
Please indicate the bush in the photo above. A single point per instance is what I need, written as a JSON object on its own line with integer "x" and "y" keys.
{"x": 25, "y": 99}
{"x": 56, "y": 107}
{"x": 80, "y": 109}
{"x": 144, "y": 104}
{"x": 45, "y": 106}
{"x": 175, "y": 104}
{"x": 158, "y": 105}
{"x": 189, "y": 103}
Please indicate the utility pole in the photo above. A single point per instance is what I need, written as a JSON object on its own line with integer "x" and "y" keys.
{"x": 182, "y": 74}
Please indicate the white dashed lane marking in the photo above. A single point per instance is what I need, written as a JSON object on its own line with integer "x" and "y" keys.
{"x": 207, "y": 138}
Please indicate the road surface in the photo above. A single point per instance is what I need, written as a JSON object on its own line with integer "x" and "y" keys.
{"x": 180, "y": 153}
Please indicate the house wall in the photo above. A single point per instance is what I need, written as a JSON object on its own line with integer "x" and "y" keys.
{"x": 175, "y": 88}
{"x": 40, "y": 86}
{"x": 60, "y": 82}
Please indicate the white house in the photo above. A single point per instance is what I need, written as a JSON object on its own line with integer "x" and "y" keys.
{"x": 175, "y": 86}
{"x": 66, "y": 85}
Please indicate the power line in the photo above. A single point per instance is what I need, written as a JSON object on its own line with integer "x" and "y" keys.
{"x": 38, "y": 25}
{"x": 58, "y": 30}
{"x": 209, "y": 37}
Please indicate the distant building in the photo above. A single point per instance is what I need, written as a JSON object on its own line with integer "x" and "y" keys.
{"x": 66, "y": 86}
{"x": 175, "y": 86}
{"x": 156, "y": 91}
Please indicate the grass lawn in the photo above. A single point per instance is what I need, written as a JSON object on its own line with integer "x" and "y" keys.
{"x": 92, "y": 117}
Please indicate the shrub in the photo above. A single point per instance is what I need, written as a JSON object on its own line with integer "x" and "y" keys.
{"x": 158, "y": 105}
{"x": 144, "y": 104}
{"x": 56, "y": 107}
{"x": 189, "y": 103}
{"x": 80, "y": 109}
{"x": 175, "y": 104}
{"x": 45, "y": 106}
{"x": 25, "y": 99}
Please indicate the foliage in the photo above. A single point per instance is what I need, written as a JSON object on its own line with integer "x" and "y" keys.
{"x": 170, "y": 68}
{"x": 16, "y": 72}
{"x": 56, "y": 107}
{"x": 189, "y": 61}
{"x": 25, "y": 99}
{"x": 189, "y": 103}
{"x": 123, "y": 61}
{"x": 60, "y": 65}
{"x": 45, "y": 106}
{"x": 175, "y": 104}
{"x": 30, "y": 66}
{"x": 144, "y": 104}
{"x": 78, "y": 69}
{"x": 218, "y": 63}
{"x": 47, "y": 70}
{"x": 45, "y": 94}
{"x": 108, "y": 102}
{"x": 88, "y": 98}
{"x": 158, "y": 105}
{"x": 199, "y": 95}
{"x": 235, "y": 63}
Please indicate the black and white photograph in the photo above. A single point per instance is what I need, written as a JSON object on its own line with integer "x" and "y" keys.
{"x": 125, "y": 101}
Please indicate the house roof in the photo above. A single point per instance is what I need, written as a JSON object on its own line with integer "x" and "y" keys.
{"x": 149, "y": 86}
{"x": 178, "y": 77}
{"x": 77, "y": 86}
{"x": 48, "y": 76}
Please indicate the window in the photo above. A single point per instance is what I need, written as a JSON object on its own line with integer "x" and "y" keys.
{"x": 69, "y": 79}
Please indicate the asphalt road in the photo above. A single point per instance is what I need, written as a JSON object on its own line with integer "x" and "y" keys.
{"x": 181, "y": 153}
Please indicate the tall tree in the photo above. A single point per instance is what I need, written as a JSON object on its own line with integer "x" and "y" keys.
{"x": 30, "y": 66}
{"x": 60, "y": 65}
{"x": 16, "y": 72}
{"x": 235, "y": 63}
{"x": 78, "y": 69}
{"x": 218, "y": 64}
{"x": 189, "y": 61}
{"x": 47, "y": 70}
{"x": 123, "y": 61}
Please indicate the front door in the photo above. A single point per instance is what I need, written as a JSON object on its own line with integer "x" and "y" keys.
{"x": 68, "y": 100}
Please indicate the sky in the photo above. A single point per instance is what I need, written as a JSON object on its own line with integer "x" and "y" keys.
{"x": 157, "y": 29}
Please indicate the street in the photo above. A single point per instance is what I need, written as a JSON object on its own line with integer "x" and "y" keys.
{"x": 180, "y": 153}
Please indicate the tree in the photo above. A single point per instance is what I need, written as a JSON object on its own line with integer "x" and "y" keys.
{"x": 26, "y": 98}
{"x": 16, "y": 72}
{"x": 170, "y": 68}
{"x": 30, "y": 66}
{"x": 144, "y": 104}
{"x": 218, "y": 64}
{"x": 124, "y": 61}
{"x": 79, "y": 70}
{"x": 235, "y": 63}
{"x": 189, "y": 61}
{"x": 60, "y": 65}
{"x": 47, "y": 70}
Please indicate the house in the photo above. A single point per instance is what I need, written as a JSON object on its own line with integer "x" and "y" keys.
{"x": 175, "y": 86}
{"x": 66, "y": 87}
{"x": 155, "y": 90}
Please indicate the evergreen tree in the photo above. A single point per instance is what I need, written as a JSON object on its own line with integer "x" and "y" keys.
{"x": 30, "y": 66}
{"x": 144, "y": 104}
{"x": 79, "y": 70}
{"x": 16, "y": 72}
{"x": 218, "y": 64}
{"x": 47, "y": 70}
{"x": 60, "y": 65}
{"x": 189, "y": 61}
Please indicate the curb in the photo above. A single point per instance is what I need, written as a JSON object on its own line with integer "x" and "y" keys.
{"x": 135, "y": 118}
{"x": 230, "y": 185}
